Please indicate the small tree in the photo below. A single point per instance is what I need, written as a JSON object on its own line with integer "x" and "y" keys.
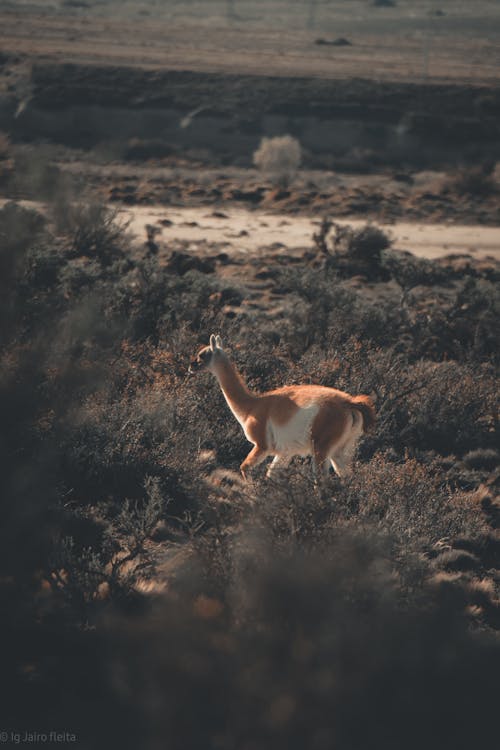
{"x": 352, "y": 250}
{"x": 94, "y": 230}
{"x": 278, "y": 157}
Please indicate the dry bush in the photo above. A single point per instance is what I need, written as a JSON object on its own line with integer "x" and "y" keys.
{"x": 482, "y": 458}
{"x": 454, "y": 410}
{"x": 294, "y": 609}
{"x": 474, "y": 181}
{"x": 352, "y": 251}
{"x": 299, "y": 616}
{"x": 79, "y": 275}
{"x": 115, "y": 442}
{"x": 22, "y": 238}
{"x": 4, "y": 145}
{"x": 158, "y": 303}
{"x": 364, "y": 244}
{"x": 422, "y": 406}
{"x": 405, "y": 506}
{"x": 140, "y": 149}
{"x": 411, "y": 502}
{"x": 462, "y": 329}
{"x": 19, "y": 229}
{"x": 327, "y": 311}
{"x": 290, "y": 651}
{"x": 85, "y": 576}
{"x": 36, "y": 177}
{"x": 410, "y": 271}
{"x": 94, "y": 230}
{"x": 278, "y": 157}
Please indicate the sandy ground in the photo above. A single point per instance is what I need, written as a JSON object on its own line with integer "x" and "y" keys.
{"x": 238, "y": 230}
{"x": 412, "y": 41}
{"x": 418, "y": 42}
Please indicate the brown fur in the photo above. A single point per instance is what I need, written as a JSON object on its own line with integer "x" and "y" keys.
{"x": 367, "y": 409}
{"x": 329, "y": 426}
{"x": 253, "y": 411}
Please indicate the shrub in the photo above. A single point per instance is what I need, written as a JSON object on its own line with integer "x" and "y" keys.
{"x": 138, "y": 149}
{"x": 43, "y": 266}
{"x": 474, "y": 181}
{"x": 410, "y": 271}
{"x": 79, "y": 274}
{"x": 84, "y": 575}
{"x": 278, "y": 157}
{"x": 94, "y": 230}
{"x": 462, "y": 327}
{"x": 287, "y": 610}
{"x": 4, "y": 146}
{"x": 410, "y": 502}
{"x": 327, "y": 312}
{"x": 21, "y": 229}
{"x": 36, "y": 177}
{"x": 455, "y": 411}
{"x": 352, "y": 250}
{"x": 482, "y": 458}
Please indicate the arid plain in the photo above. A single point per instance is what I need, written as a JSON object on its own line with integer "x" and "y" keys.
{"x": 150, "y": 596}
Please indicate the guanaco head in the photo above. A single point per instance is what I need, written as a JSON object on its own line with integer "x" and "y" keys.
{"x": 206, "y": 356}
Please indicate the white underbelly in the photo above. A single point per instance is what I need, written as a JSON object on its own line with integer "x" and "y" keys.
{"x": 294, "y": 437}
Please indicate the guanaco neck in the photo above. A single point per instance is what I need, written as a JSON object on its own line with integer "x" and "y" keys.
{"x": 237, "y": 395}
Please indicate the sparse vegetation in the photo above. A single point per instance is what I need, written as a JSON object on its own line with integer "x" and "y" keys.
{"x": 352, "y": 250}
{"x": 149, "y": 597}
{"x": 95, "y": 230}
{"x": 119, "y": 480}
{"x": 279, "y": 158}
{"x": 478, "y": 181}
{"x": 4, "y": 145}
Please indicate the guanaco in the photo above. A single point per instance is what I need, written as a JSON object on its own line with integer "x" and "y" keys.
{"x": 293, "y": 420}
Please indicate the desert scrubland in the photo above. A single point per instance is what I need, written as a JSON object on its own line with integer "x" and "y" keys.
{"x": 149, "y": 596}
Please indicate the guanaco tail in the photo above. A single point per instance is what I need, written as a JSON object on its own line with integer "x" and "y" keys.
{"x": 293, "y": 420}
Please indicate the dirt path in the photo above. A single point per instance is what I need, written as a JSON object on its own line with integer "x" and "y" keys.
{"x": 238, "y": 231}
{"x": 243, "y": 231}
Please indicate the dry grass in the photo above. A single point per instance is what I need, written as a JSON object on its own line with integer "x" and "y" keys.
{"x": 296, "y": 609}
{"x": 474, "y": 181}
{"x": 279, "y": 158}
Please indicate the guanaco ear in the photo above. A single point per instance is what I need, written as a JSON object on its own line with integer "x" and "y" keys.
{"x": 213, "y": 342}
{"x": 218, "y": 342}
